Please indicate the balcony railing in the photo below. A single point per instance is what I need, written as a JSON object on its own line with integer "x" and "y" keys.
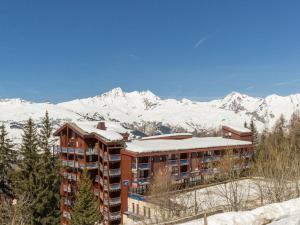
{"x": 142, "y": 181}
{"x": 144, "y": 166}
{"x": 115, "y": 187}
{"x": 66, "y": 215}
{"x": 68, "y": 202}
{"x": 172, "y": 162}
{"x": 114, "y": 157}
{"x": 184, "y": 174}
{"x": 114, "y": 172}
{"x": 115, "y": 215}
{"x": 70, "y": 176}
{"x": 184, "y": 162}
{"x": 96, "y": 192}
{"x": 93, "y": 165}
{"x": 115, "y": 201}
{"x": 78, "y": 151}
{"x": 67, "y": 188}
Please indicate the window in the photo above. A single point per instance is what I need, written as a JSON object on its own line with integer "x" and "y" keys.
{"x": 137, "y": 209}
{"x": 149, "y": 214}
{"x": 145, "y": 211}
{"x": 133, "y": 208}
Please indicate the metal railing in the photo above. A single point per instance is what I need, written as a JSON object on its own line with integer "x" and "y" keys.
{"x": 184, "y": 162}
{"x": 144, "y": 166}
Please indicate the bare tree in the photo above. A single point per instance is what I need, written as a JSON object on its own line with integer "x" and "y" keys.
{"x": 15, "y": 212}
{"x": 233, "y": 192}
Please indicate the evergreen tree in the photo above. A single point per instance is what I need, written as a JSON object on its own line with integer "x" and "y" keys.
{"x": 7, "y": 160}
{"x": 46, "y": 208}
{"x": 26, "y": 178}
{"x": 85, "y": 210}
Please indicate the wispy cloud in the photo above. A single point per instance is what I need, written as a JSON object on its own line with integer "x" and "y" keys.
{"x": 201, "y": 41}
{"x": 133, "y": 56}
{"x": 249, "y": 88}
{"x": 286, "y": 83}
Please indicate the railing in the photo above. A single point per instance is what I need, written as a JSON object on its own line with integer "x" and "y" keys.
{"x": 172, "y": 162}
{"x": 93, "y": 165}
{"x": 184, "y": 174}
{"x": 144, "y": 166}
{"x": 115, "y": 201}
{"x": 114, "y": 172}
{"x": 114, "y": 157}
{"x": 70, "y": 176}
{"x": 115, "y": 187}
{"x": 78, "y": 151}
{"x": 184, "y": 162}
{"x": 115, "y": 215}
{"x": 142, "y": 181}
{"x": 68, "y": 202}
{"x": 96, "y": 192}
{"x": 67, "y": 189}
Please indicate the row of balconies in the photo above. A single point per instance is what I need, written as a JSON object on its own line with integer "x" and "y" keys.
{"x": 89, "y": 151}
{"x": 79, "y": 164}
{"x": 110, "y": 172}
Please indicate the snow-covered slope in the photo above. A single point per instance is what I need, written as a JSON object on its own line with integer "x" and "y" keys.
{"x": 284, "y": 213}
{"x": 122, "y": 108}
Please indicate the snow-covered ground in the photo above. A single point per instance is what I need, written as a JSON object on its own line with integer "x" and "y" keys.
{"x": 284, "y": 213}
{"x": 121, "y": 107}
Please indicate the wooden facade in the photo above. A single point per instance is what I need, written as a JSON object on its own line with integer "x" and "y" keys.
{"x": 102, "y": 158}
{"x": 117, "y": 172}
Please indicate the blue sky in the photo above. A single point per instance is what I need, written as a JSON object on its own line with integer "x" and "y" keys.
{"x": 61, "y": 49}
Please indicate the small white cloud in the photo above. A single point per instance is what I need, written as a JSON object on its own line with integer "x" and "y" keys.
{"x": 286, "y": 83}
{"x": 201, "y": 41}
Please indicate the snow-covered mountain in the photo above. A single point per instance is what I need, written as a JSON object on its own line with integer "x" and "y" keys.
{"x": 119, "y": 108}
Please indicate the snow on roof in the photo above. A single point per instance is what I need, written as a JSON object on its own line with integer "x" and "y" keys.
{"x": 141, "y": 146}
{"x": 167, "y": 135}
{"x": 90, "y": 128}
{"x": 238, "y": 128}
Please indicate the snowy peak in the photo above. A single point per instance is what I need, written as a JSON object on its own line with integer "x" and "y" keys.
{"x": 147, "y": 110}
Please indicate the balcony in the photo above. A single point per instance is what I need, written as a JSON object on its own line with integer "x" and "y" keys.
{"x": 115, "y": 201}
{"x": 112, "y": 201}
{"x": 114, "y": 157}
{"x": 68, "y": 202}
{"x": 96, "y": 192}
{"x": 66, "y": 215}
{"x": 142, "y": 181}
{"x": 112, "y": 172}
{"x": 144, "y": 166}
{"x": 70, "y": 176}
{"x": 115, "y": 215}
{"x": 184, "y": 174}
{"x": 172, "y": 162}
{"x": 91, "y": 165}
{"x": 115, "y": 187}
{"x": 69, "y": 163}
{"x": 184, "y": 162}
{"x": 67, "y": 188}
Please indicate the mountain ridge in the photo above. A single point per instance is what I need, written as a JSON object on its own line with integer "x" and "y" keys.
{"x": 144, "y": 107}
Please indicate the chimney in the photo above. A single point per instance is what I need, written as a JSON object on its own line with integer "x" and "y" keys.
{"x": 101, "y": 125}
{"x": 125, "y": 136}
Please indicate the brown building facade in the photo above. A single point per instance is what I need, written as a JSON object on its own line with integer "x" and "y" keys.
{"x": 119, "y": 167}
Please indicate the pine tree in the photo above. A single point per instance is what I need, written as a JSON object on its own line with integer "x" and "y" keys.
{"x": 85, "y": 210}
{"x": 26, "y": 178}
{"x": 46, "y": 208}
{"x": 7, "y": 160}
